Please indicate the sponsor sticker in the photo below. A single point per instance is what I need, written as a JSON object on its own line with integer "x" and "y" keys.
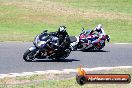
{"x": 82, "y": 78}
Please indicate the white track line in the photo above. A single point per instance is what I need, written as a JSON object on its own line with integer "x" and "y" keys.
{"x": 63, "y": 71}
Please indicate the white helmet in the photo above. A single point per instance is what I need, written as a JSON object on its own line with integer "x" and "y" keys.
{"x": 62, "y": 28}
{"x": 99, "y": 26}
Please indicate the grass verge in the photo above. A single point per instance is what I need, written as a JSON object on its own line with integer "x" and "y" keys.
{"x": 21, "y": 20}
{"x": 61, "y": 81}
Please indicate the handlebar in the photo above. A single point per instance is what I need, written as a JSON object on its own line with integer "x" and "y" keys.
{"x": 45, "y": 31}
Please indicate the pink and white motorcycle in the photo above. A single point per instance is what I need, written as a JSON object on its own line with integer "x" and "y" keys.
{"x": 88, "y": 40}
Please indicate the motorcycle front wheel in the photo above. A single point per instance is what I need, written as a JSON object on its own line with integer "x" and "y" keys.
{"x": 29, "y": 56}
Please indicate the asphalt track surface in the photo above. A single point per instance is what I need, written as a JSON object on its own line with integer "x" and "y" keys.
{"x": 11, "y": 60}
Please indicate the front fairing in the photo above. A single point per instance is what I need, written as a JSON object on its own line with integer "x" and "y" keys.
{"x": 33, "y": 48}
{"x": 40, "y": 41}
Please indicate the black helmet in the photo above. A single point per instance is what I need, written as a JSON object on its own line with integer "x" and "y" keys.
{"x": 62, "y": 29}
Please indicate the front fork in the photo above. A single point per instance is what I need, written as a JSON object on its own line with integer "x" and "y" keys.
{"x": 34, "y": 50}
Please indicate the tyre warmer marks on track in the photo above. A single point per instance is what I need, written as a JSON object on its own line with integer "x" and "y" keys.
{"x": 63, "y": 71}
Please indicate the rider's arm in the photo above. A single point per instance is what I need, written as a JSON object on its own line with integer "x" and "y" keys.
{"x": 94, "y": 29}
{"x": 103, "y": 33}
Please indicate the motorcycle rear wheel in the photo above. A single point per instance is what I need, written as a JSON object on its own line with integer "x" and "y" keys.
{"x": 102, "y": 46}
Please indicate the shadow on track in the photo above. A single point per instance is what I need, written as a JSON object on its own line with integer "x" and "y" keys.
{"x": 95, "y": 51}
{"x": 62, "y": 60}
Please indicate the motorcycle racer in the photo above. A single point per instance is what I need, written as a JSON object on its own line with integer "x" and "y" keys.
{"x": 52, "y": 45}
{"x": 64, "y": 40}
{"x": 99, "y": 29}
{"x": 63, "y": 36}
{"x": 89, "y": 39}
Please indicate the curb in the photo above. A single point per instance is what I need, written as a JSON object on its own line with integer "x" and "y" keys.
{"x": 63, "y": 71}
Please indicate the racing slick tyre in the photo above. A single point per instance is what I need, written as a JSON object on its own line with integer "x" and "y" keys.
{"x": 29, "y": 56}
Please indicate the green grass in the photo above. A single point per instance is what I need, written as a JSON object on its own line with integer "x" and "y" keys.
{"x": 114, "y": 6}
{"x": 22, "y": 20}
